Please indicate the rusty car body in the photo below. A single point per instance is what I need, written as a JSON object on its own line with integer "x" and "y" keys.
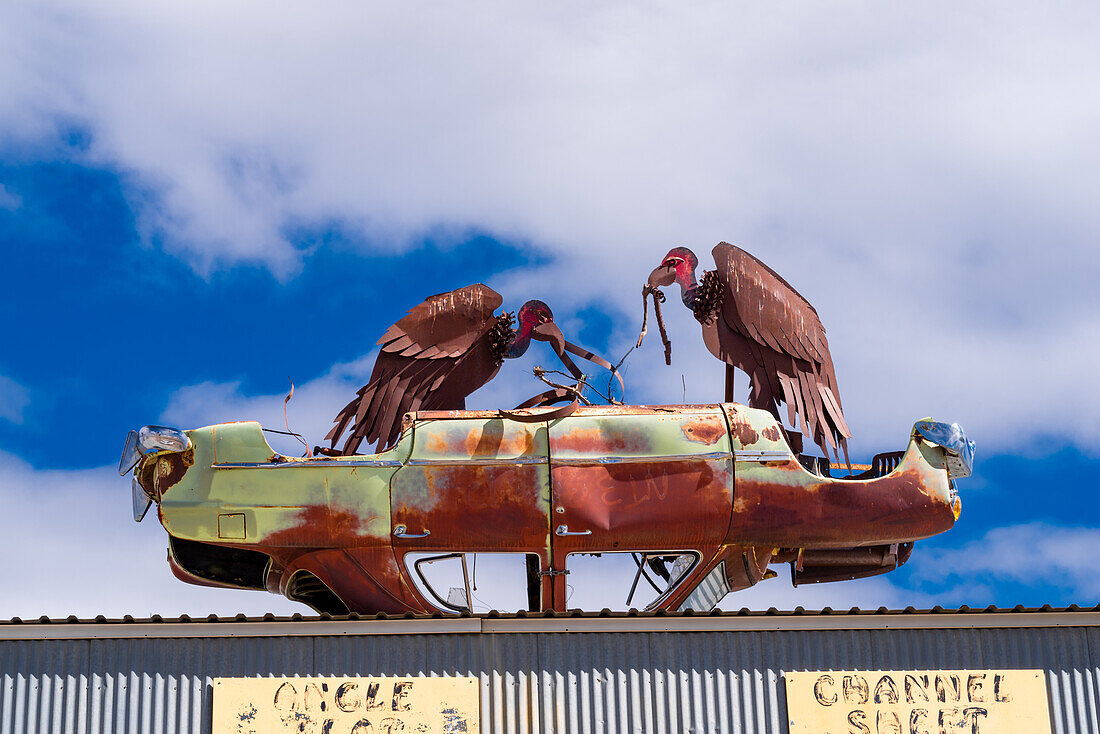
{"x": 699, "y": 499}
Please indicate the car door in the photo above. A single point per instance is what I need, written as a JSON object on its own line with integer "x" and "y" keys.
{"x": 473, "y": 484}
{"x": 639, "y": 479}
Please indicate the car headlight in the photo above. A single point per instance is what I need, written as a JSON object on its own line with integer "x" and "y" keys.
{"x": 150, "y": 440}
{"x": 958, "y": 450}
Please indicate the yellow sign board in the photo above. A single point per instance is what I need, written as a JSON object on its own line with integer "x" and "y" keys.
{"x": 345, "y": 705}
{"x": 918, "y": 702}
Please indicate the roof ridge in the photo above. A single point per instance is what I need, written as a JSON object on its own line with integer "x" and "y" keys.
{"x": 798, "y": 611}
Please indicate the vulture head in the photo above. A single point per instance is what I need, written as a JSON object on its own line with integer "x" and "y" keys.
{"x": 678, "y": 266}
{"x": 535, "y": 321}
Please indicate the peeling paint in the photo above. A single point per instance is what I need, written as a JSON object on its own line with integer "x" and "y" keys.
{"x": 704, "y": 430}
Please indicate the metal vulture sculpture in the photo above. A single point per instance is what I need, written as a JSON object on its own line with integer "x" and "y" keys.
{"x": 754, "y": 320}
{"x": 443, "y": 350}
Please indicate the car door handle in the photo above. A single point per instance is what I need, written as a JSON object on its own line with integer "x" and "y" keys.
{"x": 564, "y": 530}
{"x": 400, "y": 532}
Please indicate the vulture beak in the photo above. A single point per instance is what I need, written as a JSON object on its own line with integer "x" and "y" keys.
{"x": 549, "y": 332}
{"x": 662, "y": 276}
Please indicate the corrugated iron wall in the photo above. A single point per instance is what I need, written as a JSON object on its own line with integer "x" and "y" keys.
{"x": 546, "y": 682}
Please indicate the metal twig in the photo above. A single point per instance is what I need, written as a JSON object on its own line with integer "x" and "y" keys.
{"x": 286, "y": 419}
{"x": 658, "y": 299}
{"x": 576, "y": 389}
{"x": 611, "y": 380}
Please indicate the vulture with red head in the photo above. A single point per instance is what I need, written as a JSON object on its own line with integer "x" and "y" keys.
{"x": 755, "y": 321}
{"x": 443, "y": 350}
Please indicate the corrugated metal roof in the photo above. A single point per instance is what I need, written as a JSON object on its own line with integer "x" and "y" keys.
{"x": 523, "y": 622}
{"x": 602, "y": 680}
{"x": 605, "y": 613}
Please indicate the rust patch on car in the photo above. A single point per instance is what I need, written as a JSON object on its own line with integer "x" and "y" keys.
{"x": 436, "y": 443}
{"x": 606, "y": 440}
{"x": 578, "y": 439}
{"x": 744, "y": 433}
{"x": 705, "y": 429}
{"x": 473, "y": 507}
{"x": 320, "y": 526}
{"x": 771, "y": 433}
{"x": 170, "y": 468}
{"x": 830, "y": 513}
{"x": 645, "y": 505}
{"x": 365, "y": 579}
{"x": 745, "y": 566}
{"x": 488, "y": 439}
{"x": 380, "y": 565}
{"x": 491, "y": 441}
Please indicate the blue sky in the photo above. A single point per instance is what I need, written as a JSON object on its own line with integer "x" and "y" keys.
{"x": 85, "y": 292}
{"x": 198, "y": 203}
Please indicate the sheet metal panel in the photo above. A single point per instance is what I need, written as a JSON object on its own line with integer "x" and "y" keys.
{"x": 589, "y": 682}
{"x": 44, "y": 688}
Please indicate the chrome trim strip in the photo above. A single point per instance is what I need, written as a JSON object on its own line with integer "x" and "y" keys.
{"x": 596, "y": 460}
{"x": 762, "y": 455}
{"x": 495, "y": 461}
{"x": 334, "y": 464}
{"x": 312, "y": 463}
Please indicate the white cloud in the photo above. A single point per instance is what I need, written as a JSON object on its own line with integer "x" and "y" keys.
{"x": 923, "y": 173}
{"x": 14, "y": 398}
{"x": 1032, "y": 553}
{"x": 309, "y": 412}
{"x": 75, "y": 550}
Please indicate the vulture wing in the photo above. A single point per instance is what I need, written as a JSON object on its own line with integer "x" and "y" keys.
{"x": 429, "y": 360}
{"x": 789, "y": 360}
